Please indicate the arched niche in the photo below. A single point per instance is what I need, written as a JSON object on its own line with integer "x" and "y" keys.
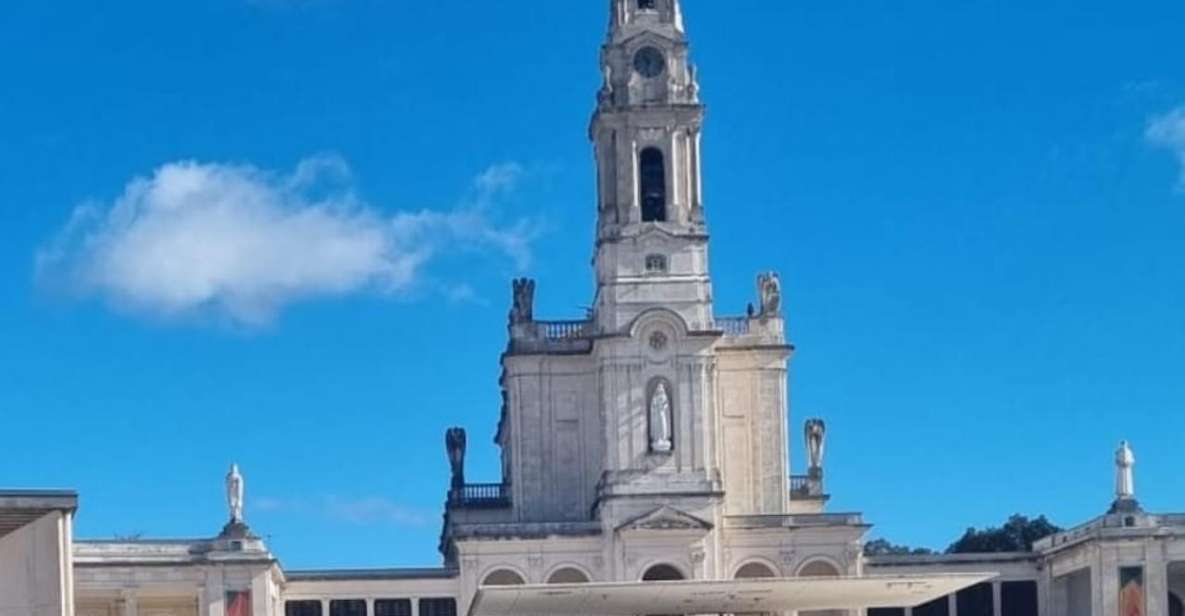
{"x": 755, "y": 570}
{"x": 503, "y": 577}
{"x": 660, "y": 415}
{"x": 663, "y": 573}
{"x": 820, "y": 568}
{"x": 658, "y": 318}
{"x": 568, "y": 575}
{"x": 1176, "y": 606}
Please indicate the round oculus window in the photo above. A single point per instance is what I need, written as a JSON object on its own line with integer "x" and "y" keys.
{"x": 649, "y": 62}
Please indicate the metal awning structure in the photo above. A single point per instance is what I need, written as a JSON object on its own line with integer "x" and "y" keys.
{"x": 719, "y": 597}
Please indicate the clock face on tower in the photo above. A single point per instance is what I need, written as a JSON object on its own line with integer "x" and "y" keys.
{"x": 649, "y": 62}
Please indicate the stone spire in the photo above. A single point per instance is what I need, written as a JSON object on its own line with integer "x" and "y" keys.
{"x": 652, "y": 245}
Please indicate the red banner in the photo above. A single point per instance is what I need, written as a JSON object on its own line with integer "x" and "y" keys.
{"x": 238, "y": 603}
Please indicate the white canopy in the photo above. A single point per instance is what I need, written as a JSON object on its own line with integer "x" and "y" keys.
{"x": 719, "y": 597}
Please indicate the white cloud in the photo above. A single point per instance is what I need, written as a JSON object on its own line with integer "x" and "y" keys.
{"x": 240, "y": 243}
{"x": 1169, "y": 131}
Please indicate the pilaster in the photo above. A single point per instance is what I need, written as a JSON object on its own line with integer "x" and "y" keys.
{"x": 1156, "y": 579}
{"x": 261, "y": 594}
{"x": 131, "y": 603}
{"x": 215, "y": 593}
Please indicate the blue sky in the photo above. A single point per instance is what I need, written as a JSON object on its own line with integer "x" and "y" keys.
{"x": 281, "y": 233}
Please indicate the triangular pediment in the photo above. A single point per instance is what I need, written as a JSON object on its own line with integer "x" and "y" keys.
{"x": 666, "y": 518}
{"x": 655, "y": 234}
{"x": 649, "y": 36}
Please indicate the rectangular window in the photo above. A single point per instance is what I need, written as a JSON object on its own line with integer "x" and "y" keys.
{"x": 347, "y": 607}
{"x": 1132, "y": 601}
{"x": 976, "y": 601}
{"x": 438, "y": 607}
{"x": 302, "y": 608}
{"x": 392, "y": 607}
{"x": 1019, "y": 598}
{"x": 656, "y": 264}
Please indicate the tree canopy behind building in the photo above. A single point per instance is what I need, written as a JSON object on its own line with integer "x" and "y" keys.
{"x": 1016, "y": 535}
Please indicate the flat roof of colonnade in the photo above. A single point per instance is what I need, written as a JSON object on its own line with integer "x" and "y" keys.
{"x": 19, "y": 508}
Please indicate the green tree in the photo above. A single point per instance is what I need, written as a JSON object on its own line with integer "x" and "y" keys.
{"x": 1017, "y": 535}
{"x": 882, "y": 547}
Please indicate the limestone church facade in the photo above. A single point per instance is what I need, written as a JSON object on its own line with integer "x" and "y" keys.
{"x": 649, "y": 439}
{"x": 648, "y": 442}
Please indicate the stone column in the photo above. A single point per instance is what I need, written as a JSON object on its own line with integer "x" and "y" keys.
{"x": 1104, "y": 581}
{"x": 131, "y": 603}
{"x": 215, "y": 594}
{"x": 203, "y": 600}
{"x": 261, "y": 594}
{"x": 998, "y": 598}
{"x": 1045, "y": 591}
{"x": 65, "y": 559}
{"x": 953, "y": 603}
{"x": 1156, "y": 580}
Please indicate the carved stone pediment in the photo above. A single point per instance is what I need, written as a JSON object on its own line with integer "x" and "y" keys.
{"x": 666, "y": 518}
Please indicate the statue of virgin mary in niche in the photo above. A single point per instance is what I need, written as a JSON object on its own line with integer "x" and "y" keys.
{"x": 660, "y": 419}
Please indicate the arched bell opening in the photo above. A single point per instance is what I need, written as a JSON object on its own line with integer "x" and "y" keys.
{"x": 652, "y": 176}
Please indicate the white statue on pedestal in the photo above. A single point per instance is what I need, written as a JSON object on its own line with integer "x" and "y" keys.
{"x": 234, "y": 494}
{"x": 1125, "y": 480}
{"x": 660, "y": 419}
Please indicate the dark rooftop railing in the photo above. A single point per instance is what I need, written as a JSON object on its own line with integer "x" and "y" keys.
{"x": 480, "y": 496}
{"x": 733, "y": 326}
{"x": 565, "y": 330}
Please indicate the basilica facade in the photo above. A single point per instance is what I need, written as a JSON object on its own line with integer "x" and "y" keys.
{"x": 645, "y": 444}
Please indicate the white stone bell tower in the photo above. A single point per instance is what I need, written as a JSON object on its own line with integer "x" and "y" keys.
{"x": 647, "y": 440}
{"x": 651, "y": 238}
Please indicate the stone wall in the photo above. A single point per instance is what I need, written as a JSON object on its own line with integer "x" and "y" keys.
{"x": 35, "y": 568}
